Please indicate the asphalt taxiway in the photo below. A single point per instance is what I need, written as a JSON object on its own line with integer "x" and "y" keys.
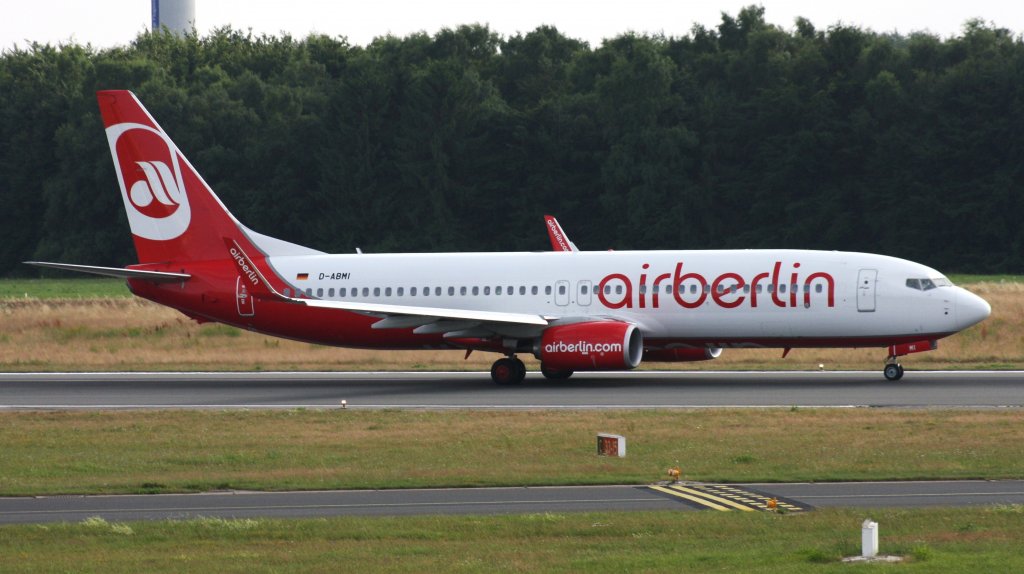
{"x": 491, "y": 501}
{"x": 636, "y": 389}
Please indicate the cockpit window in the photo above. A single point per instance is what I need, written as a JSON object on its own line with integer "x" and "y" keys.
{"x": 928, "y": 284}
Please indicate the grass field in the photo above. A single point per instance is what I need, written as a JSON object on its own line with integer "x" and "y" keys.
{"x": 176, "y": 451}
{"x": 935, "y": 540}
{"x": 129, "y": 334}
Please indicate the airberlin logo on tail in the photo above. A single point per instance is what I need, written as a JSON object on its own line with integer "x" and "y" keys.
{"x": 149, "y": 173}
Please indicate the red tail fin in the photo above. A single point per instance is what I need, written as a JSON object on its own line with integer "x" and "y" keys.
{"x": 173, "y": 213}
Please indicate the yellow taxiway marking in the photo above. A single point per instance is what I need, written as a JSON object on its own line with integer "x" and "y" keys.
{"x": 701, "y": 501}
{"x": 725, "y": 497}
{"x": 710, "y": 496}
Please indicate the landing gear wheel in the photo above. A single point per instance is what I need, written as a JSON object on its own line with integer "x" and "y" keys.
{"x": 893, "y": 371}
{"x": 520, "y": 367}
{"x": 555, "y": 374}
{"x": 508, "y": 371}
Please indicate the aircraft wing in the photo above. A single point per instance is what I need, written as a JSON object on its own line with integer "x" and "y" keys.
{"x": 453, "y": 323}
{"x": 385, "y": 310}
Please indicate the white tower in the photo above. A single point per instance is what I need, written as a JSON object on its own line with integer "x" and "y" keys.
{"x": 178, "y": 15}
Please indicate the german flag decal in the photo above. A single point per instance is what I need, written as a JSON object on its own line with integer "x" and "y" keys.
{"x": 302, "y": 276}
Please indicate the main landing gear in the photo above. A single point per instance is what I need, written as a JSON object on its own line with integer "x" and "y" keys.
{"x": 512, "y": 371}
{"x": 893, "y": 371}
{"x": 508, "y": 371}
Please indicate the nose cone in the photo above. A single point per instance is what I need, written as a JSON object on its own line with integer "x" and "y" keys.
{"x": 970, "y": 309}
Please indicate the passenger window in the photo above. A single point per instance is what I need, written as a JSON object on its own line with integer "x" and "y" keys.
{"x": 817, "y": 288}
{"x": 707, "y": 288}
{"x": 309, "y": 291}
{"x": 476, "y": 290}
{"x": 451, "y": 291}
{"x": 795, "y": 288}
{"x": 366, "y": 291}
{"x": 693, "y": 289}
{"x": 721, "y": 288}
{"x": 320, "y": 292}
{"x": 643, "y": 289}
{"x": 583, "y": 289}
{"x": 376, "y": 291}
{"x": 462, "y": 290}
{"x": 330, "y": 292}
{"x": 401, "y": 291}
{"x": 510, "y": 292}
{"x": 412, "y": 291}
{"x": 607, "y": 289}
{"x": 771, "y": 287}
{"x": 533, "y": 290}
{"x": 387, "y": 291}
{"x": 522, "y": 289}
{"x": 341, "y": 292}
{"x": 437, "y": 291}
{"x": 287, "y": 292}
{"x": 561, "y": 289}
{"x": 618, "y": 289}
{"x": 782, "y": 288}
{"x": 758, "y": 289}
{"x": 497, "y": 290}
{"x": 547, "y": 289}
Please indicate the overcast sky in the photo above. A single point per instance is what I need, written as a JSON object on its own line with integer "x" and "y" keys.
{"x": 105, "y": 23}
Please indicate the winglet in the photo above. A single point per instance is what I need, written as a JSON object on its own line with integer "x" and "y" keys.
{"x": 559, "y": 241}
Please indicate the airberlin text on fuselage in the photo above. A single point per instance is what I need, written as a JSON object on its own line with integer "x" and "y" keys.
{"x": 728, "y": 290}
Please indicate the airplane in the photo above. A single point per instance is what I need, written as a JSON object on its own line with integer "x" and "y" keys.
{"x": 573, "y": 310}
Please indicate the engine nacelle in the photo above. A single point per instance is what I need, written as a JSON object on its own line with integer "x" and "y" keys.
{"x": 682, "y": 355}
{"x": 594, "y": 346}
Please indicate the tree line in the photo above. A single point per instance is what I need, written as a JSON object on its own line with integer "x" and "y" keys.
{"x": 744, "y": 135}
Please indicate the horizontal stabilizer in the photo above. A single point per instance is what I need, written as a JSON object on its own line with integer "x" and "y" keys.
{"x": 119, "y": 272}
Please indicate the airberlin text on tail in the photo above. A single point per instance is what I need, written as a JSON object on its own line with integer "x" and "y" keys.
{"x": 173, "y": 213}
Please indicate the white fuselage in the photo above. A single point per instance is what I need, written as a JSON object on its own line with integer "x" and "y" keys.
{"x": 732, "y": 298}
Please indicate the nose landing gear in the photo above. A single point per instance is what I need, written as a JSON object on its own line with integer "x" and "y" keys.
{"x": 893, "y": 371}
{"x": 508, "y": 371}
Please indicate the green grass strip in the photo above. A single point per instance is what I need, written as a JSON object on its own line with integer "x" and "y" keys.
{"x": 930, "y": 540}
{"x": 182, "y": 451}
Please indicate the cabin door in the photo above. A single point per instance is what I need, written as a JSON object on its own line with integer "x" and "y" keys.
{"x": 866, "y": 280}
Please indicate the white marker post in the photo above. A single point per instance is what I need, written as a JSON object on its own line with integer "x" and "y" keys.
{"x": 869, "y": 539}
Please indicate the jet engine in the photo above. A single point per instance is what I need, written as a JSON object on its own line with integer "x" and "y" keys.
{"x": 592, "y": 346}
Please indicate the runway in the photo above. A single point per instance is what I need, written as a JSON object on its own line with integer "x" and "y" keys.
{"x": 487, "y": 501}
{"x": 637, "y": 389}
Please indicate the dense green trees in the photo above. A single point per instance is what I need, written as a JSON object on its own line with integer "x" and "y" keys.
{"x": 745, "y": 135}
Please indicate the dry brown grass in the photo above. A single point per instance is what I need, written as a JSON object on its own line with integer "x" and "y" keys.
{"x": 133, "y": 334}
